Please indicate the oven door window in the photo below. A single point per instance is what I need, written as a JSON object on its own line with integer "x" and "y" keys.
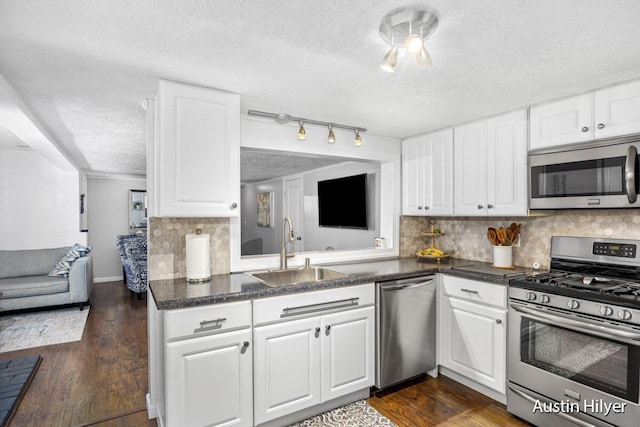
{"x": 606, "y": 365}
{"x": 603, "y": 177}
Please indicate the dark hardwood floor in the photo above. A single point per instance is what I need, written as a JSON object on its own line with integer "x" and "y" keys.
{"x": 442, "y": 402}
{"x": 102, "y": 380}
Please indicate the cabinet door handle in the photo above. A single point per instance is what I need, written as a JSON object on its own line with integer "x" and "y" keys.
{"x": 498, "y": 321}
{"x": 490, "y": 206}
{"x": 327, "y": 329}
{"x": 480, "y": 206}
{"x": 426, "y": 208}
{"x": 317, "y": 332}
{"x": 419, "y": 208}
{"x": 600, "y": 125}
{"x": 233, "y": 205}
{"x": 585, "y": 129}
{"x": 244, "y": 347}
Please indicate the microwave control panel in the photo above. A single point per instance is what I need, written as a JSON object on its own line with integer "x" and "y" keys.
{"x": 614, "y": 249}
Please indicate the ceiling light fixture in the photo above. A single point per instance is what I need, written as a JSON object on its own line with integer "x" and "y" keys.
{"x": 412, "y": 26}
{"x": 282, "y": 119}
{"x": 302, "y": 134}
{"x": 332, "y": 136}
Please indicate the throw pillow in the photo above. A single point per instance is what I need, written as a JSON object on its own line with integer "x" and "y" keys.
{"x": 64, "y": 265}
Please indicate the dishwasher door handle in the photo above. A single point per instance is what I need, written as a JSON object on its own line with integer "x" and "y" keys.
{"x": 407, "y": 286}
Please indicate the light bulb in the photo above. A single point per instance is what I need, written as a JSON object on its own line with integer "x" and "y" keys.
{"x": 423, "y": 59}
{"x": 413, "y": 43}
{"x": 302, "y": 134}
{"x": 332, "y": 136}
{"x": 358, "y": 141}
{"x": 390, "y": 59}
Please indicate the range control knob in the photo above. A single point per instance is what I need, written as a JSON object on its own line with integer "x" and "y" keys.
{"x": 545, "y": 299}
{"x": 531, "y": 296}
{"x": 573, "y": 304}
{"x": 606, "y": 310}
{"x": 624, "y": 315}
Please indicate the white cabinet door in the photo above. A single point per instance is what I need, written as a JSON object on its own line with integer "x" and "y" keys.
{"x": 209, "y": 381}
{"x": 438, "y": 192}
{"x": 473, "y": 342}
{"x": 413, "y": 175}
{"x": 287, "y": 368}
{"x": 562, "y": 122}
{"x": 470, "y": 166}
{"x": 427, "y": 174}
{"x": 196, "y": 158}
{"x": 507, "y": 164}
{"x": 348, "y": 352}
{"x": 617, "y": 110}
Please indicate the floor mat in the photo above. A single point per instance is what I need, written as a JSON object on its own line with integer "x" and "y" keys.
{"x": 357, "y": 414}
{"x": 15, "y": 377}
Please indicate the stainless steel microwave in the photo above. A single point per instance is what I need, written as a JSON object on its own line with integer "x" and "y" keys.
{"x": 600, "y": 174}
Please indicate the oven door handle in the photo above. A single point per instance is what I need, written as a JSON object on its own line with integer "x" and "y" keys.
{"x": 622, "y": 333}
{"x": 567, "y": 417}
{"x": 630, "y": 173}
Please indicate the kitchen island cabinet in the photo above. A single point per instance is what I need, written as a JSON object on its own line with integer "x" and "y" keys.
{"x": 472, "y": 322}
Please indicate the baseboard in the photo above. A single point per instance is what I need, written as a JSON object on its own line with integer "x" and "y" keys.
{"x": 108, "y": 279}
{"x": 152, "y": 409}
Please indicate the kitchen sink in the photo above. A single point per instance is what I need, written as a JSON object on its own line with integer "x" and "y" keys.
{"x": 275, "y": 278}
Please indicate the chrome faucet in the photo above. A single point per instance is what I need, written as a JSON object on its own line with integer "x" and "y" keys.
{"x": 283, "y": 244}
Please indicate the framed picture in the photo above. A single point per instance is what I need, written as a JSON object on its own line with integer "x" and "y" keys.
{"x": 266, "y": 213}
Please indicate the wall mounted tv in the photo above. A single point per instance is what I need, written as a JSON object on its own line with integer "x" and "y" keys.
{"x": 342, "y": 202}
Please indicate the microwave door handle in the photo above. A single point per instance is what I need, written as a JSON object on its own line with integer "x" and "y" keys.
{"x": 630, "y": 173}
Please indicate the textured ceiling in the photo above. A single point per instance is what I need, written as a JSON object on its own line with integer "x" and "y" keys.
{"x": 258, "y": 165}
{"x": 84, "y": 68}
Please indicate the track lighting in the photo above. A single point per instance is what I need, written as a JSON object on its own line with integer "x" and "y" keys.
{"x": 282, "y": 119}
{"x": 358, "y": 141}
{"x": 302, "y": 134}
{"x": 332, "y": 137}
{"x": 415, "y": 27}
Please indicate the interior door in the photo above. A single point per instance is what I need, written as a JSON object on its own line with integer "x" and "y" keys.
{"x": 294, "y": 209}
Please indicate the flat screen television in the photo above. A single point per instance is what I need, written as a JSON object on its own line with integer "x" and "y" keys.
{"x": 342, "y": 202}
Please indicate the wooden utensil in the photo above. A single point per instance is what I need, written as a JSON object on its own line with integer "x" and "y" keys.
{"x": 493, "y": 236}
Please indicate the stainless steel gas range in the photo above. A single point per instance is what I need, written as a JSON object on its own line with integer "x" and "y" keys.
{"x": 574, "y": 336}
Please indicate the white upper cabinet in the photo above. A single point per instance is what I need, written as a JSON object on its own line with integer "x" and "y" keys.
{"x": 195, "y": 160}
{"x": 605, "y": 113}
{"x": 490, "y": 163}
{"x": 427, "y": 174}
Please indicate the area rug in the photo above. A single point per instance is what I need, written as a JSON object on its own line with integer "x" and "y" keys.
{"x": 357, "y": 414}
{"x": 27, "y": 330}
{"x": 15, "y": 377}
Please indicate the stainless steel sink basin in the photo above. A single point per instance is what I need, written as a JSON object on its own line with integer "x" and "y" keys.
{"x": 276, "y": 278}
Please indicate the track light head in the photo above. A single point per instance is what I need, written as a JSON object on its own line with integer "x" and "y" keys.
{"x": 302, "y": 134}
{"x": 390, "y": 59}
{"x": 332, "y": 137}
{"x": 358, "y": 141}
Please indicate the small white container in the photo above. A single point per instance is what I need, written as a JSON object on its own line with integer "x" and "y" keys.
{"x": 503, "y": 256}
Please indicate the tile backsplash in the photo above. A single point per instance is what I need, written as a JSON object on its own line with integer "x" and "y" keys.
{"x": 466, "y": 237}
{"x": 167, "y": 246}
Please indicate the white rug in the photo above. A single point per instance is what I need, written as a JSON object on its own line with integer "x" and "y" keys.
{"x": 20, "y": 331}
{"x": 357, "y": 414}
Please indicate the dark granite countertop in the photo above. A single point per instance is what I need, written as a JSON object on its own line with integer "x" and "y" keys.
{"x": 177, "y": 293}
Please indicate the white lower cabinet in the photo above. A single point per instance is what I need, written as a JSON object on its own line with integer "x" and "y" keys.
{"x": 301, "y": 363}
{"x": 209, "y": 380}
{"x": 473, "y": 324}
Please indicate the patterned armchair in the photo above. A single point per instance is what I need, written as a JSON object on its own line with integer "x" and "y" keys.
{"x": 133, "y": 253}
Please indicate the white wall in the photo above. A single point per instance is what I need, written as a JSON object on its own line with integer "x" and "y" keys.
{"x": 39, "y": 203}
{"x": 270, "y": 235}
{"x": 108, "y": 215}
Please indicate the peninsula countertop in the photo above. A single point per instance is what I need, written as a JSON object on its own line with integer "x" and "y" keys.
{"x": 177, "y": 293}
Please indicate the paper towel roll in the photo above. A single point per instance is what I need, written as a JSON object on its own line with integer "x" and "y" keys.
{"x": 198, "y": 257}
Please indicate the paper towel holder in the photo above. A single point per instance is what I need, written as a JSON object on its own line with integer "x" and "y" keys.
{"x": 199, "y": 279}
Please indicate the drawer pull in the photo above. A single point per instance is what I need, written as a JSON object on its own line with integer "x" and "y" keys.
{"x": 323, "y": 306}
{"x": 215, "y": 324}
{"x": 470, "y": 291}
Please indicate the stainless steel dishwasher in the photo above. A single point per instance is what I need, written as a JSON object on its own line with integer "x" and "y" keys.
{"x": 406, "y": 329}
